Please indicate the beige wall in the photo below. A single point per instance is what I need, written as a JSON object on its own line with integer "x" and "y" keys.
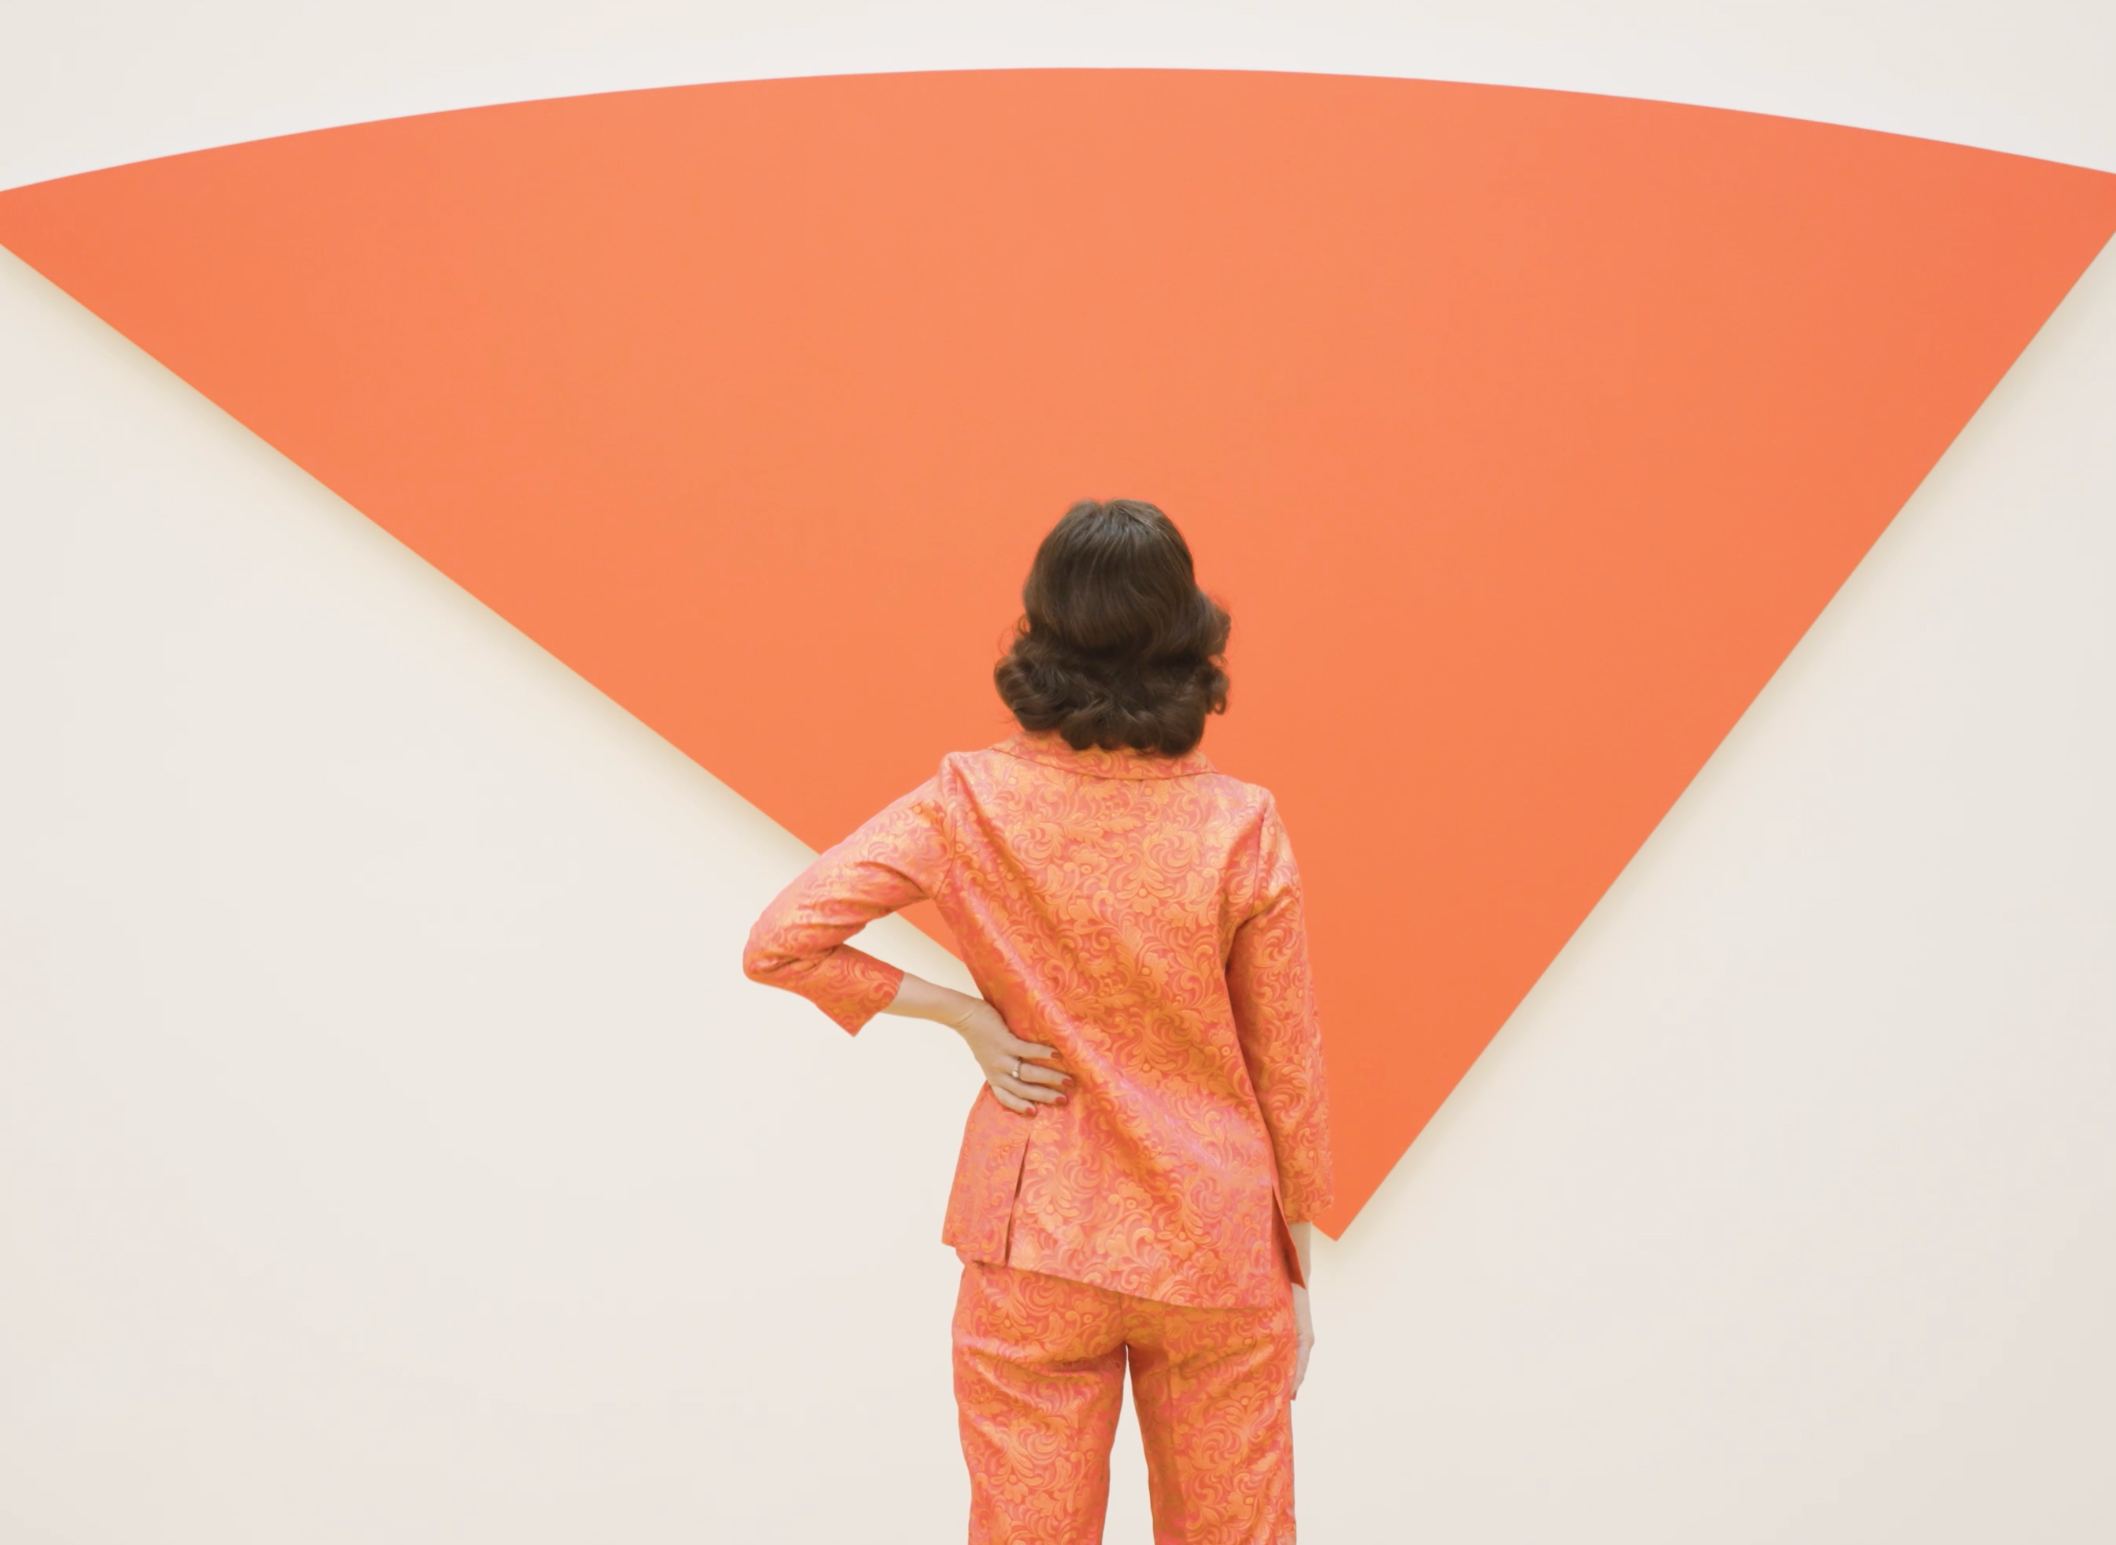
{"x": 391, "y": 1151}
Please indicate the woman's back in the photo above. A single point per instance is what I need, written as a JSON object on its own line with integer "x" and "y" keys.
{"x": 1141, "y": 915}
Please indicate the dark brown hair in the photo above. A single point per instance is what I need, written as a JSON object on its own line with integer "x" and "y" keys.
{"x": 1119, "y": 646}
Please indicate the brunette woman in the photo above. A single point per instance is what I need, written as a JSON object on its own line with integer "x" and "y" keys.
{"x": 1138, "y": 1171}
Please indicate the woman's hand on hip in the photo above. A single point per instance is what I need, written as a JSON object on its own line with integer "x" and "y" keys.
{"x": 1012, "y": 1066}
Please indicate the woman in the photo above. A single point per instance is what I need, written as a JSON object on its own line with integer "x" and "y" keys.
{"x": 1138, "y": 1171}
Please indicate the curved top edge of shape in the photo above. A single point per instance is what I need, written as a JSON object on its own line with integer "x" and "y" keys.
{"x": 835, "y": 78}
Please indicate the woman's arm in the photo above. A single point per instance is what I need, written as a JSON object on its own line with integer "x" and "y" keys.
{"x": 1272, "y": 993}
{"x": 1011, "y": 1065}
{"x": 895, "y": 859}
{"x": 1273, "y": 997}
{"x": 799, "y": 943}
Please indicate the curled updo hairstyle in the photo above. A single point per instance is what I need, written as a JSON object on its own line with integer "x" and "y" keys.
{"x": 1119, "y": 647}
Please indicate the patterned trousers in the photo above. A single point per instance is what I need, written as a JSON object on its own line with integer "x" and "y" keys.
{"x": 1039, "y": 1378}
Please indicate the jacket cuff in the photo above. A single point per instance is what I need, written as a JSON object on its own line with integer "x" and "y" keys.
{"x": 868, "y": 986}
{"x": 1300, "y": 1204}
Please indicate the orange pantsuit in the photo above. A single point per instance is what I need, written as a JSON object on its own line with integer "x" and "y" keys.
{"x": 1142, "y": 914}
{"x": 1039, "y": 1373}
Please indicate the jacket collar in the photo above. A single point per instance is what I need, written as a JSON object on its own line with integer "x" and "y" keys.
{"x": 1049, "y": 748}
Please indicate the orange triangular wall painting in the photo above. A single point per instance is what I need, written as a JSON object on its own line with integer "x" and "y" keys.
{"x": 1523, "y": 433}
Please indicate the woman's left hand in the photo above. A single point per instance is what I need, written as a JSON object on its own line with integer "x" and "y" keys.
{"x": 1302, "y": 1234}
{"x": 1304, "y": 1327}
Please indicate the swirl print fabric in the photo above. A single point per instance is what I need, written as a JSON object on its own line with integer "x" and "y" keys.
{"x": 1141, "y": 914}
{"x": 1039, "y": 1377}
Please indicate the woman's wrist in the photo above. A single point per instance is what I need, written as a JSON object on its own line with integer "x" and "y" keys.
{"x": 917, "y": 998}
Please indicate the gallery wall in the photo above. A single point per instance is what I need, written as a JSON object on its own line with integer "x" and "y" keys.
{"x": 389, "y": 1148}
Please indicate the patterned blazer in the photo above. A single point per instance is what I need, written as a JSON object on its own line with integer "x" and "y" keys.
{"x": 1141, "y": 914}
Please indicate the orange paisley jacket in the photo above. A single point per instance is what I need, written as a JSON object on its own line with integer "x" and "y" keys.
{"x": 1141, "y": 914}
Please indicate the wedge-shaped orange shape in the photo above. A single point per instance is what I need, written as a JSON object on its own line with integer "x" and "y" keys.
{"x": 1524, "y": 433}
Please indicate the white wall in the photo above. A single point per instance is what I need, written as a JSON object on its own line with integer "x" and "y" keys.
{"x": 390, "y": 1151}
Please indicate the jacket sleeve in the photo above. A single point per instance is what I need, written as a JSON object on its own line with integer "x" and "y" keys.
{"x": 799, "y": 943}
{"x": 1273, "y": 995}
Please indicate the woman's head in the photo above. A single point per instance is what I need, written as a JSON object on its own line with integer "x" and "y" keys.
{"x": 1118, "y": 646}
